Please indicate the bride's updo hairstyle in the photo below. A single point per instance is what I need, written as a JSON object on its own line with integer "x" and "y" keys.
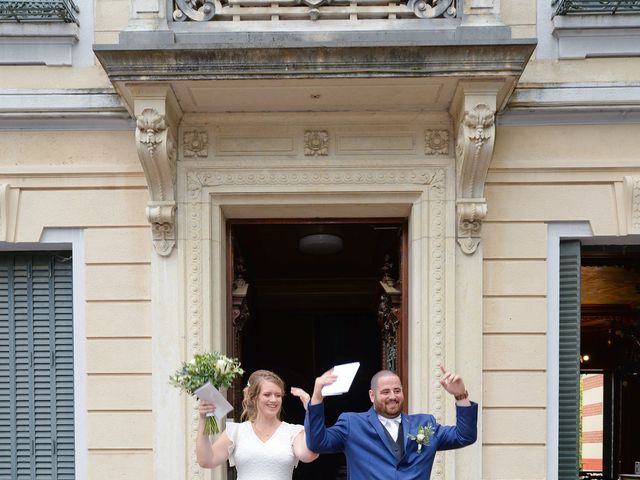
{"x": 252, "y": 390}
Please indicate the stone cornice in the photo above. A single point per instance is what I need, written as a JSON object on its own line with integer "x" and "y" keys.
{"x": 239, "y": 61}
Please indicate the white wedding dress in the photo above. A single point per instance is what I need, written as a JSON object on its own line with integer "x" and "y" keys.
{"x": 255, "y": 459}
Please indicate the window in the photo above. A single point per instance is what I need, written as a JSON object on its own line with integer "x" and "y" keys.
{"x": 36, "y": 366}
{"x": 599, "y": 361}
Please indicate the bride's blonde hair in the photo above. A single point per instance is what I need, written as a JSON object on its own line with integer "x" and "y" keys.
{"x": 252, "y": 390}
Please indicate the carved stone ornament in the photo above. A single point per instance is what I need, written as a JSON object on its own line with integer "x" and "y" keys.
{"x": 436, "y": 142}
{"x": 632, "y": 203}
{"x": 195, "y": 144}
{"x": 316, "y": 143}
{"x": 635, "y": 204}
{"x": 287, "y": 10}
{"x": 157, "y": 153}
{"x": 474, "y": 150}
{"x": 162, "y": 217}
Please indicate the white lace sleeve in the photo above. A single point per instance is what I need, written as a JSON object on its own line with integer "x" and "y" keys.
{"x": 232, "y": 433}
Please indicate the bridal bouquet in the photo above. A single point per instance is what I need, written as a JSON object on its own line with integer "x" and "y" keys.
{"x": 218, "y": 369}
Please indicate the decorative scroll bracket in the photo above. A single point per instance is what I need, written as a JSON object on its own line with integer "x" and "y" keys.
{"x": 474, "y": 150}
{"x": 157, "y": 116}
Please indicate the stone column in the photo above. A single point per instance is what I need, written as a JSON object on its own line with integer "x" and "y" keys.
{"x": 157, "y": 116}
{"x": 473, "y": 112}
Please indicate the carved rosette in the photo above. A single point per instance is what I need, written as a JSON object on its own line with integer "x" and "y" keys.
{"x": 436, "y": 142}
{"x": 316, "y": 143}
{"x": 195, "y": 144}
{"x": 157, "y": 153}
{"x": 474, "y": 150}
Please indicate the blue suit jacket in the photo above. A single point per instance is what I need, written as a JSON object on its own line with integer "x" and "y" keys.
{"x": 369, "y": 456}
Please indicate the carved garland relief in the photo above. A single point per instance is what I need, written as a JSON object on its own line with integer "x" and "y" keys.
{"x": 199, "y": 184}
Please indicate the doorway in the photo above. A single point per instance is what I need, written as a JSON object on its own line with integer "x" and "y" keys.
{"x": 308, "y": 295}
{"x": 609, "y": 360}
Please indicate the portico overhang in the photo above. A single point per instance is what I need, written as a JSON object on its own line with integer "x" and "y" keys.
{"x": 467, "y": 72}
{"x": 323, "y": 71}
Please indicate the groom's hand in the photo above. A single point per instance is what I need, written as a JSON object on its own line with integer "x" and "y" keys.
{"x": 454, "y": 385}
{"x": 327, "y": 378}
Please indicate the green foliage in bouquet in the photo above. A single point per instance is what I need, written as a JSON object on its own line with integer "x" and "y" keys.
{"x": 214, "y": 367}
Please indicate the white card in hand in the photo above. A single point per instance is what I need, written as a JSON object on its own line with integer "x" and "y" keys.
{"x": 345, "y": 373}
{"x": 211, "y": 394}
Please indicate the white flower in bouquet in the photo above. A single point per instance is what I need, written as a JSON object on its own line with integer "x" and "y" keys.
{"x": 207, "y": 367}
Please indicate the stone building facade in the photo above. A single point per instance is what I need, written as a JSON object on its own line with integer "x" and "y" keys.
{"x": 133, "y": 134}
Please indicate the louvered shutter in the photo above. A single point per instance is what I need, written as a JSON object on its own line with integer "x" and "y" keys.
{"x": 36, "y": 367}
{"x": 569, "y": 357}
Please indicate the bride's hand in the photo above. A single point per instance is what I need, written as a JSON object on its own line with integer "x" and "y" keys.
{"x": 302, "y": 395}
{"x": 205, "y": 407}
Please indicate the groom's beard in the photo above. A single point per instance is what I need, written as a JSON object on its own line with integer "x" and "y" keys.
{"x": 388, "y": 408}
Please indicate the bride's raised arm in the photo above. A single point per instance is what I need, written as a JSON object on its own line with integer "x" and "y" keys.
{"x": 208, "y": 455}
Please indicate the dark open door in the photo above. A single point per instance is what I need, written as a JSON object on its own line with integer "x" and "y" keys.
{"x": 299, "y": 313}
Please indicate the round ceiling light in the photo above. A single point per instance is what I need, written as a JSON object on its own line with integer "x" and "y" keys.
{"x": 320, "y": 244}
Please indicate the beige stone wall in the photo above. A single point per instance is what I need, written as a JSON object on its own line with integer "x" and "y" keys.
{"x": 93, "y": 181}
{"x": 538, "y": 175}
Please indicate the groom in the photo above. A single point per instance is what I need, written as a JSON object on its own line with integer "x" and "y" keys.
{"x": 384, "y": 443}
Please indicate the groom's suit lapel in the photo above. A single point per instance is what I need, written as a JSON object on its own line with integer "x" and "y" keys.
{"x": 375, "y": 422}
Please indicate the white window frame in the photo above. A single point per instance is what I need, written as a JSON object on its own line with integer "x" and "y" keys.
{"x": 65, "y": 239}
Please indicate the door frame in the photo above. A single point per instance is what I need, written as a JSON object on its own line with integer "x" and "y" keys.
{"x": 212, "y": 193}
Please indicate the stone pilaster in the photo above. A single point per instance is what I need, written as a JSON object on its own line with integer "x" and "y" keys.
{"x": 473, "y": 112}
{"x": 9, "y": 198}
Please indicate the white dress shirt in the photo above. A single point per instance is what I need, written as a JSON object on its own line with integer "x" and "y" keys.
{"x": 392, "y": 425}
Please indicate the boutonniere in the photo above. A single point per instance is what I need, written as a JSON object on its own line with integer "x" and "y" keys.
{"x": 425, "y": 432}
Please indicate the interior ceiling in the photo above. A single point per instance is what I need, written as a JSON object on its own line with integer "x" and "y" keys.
{"x": 284, "y": 277}
{"x": 611, "y": 275}
{"x": 271, "y": 250}
{"x": 610, "y": 285}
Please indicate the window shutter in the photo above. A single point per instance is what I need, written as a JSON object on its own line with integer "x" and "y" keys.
{"x": 569, "y": 357}
{"x": 36, "y": 367}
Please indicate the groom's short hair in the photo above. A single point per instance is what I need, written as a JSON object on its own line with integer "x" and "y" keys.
{"x": 379, "y": 375}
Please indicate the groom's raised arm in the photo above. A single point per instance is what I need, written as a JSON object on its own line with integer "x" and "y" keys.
{"x": 321, "y": 439}
{"x": 465, "y": 432}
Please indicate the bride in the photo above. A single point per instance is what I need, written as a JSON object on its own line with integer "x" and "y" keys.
{"x": 263, "y": 446}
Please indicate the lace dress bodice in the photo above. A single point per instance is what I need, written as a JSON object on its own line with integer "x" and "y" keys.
{"x": 255, "y": 459}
